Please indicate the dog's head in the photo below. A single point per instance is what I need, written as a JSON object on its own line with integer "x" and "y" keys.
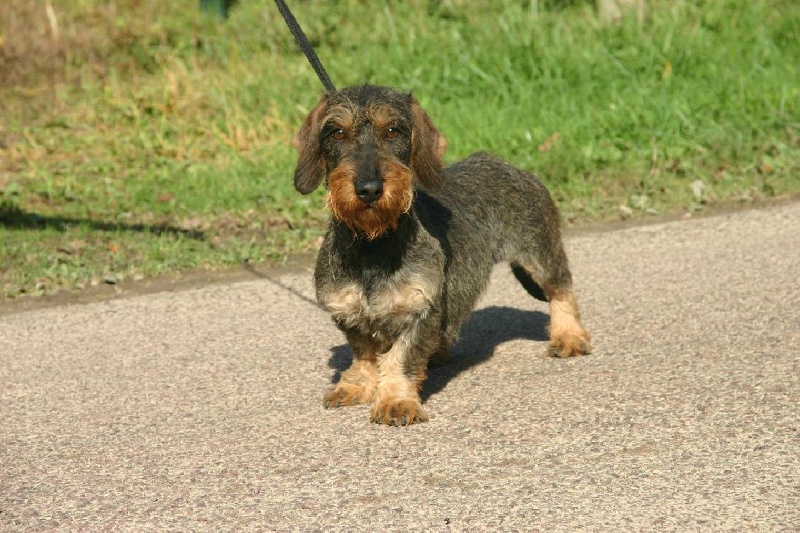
{"x": 373, "y": 144}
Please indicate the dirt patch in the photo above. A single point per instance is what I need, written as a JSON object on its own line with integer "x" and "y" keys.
{"x": 53, "y": 42}
{"x": 31, "y": 44}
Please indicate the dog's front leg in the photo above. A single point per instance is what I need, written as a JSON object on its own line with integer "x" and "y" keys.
{"x": 401, "y": 373}
{"x": 359, "y": 382}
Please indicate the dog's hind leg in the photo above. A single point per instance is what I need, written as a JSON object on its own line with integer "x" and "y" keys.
{"x": 567, "y": 335}
{"x": 548, "y": 278}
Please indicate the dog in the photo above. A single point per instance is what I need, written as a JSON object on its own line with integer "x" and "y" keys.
{"x": 411, "y": 244}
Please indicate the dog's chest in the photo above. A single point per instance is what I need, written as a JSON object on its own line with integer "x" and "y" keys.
{"x": 383, "y": 310}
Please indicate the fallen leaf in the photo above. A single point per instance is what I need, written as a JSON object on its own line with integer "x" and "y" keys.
{"x": 549, "y": 142}
{"x": 667, "y": 72}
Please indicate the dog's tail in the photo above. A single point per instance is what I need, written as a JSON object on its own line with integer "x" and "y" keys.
{"x": 525, "y": 278}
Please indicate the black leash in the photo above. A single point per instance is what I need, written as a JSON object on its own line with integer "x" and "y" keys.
{"x": 305, "y": 46}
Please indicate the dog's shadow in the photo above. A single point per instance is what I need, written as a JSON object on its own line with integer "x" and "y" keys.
{"x": 486, "y": 329}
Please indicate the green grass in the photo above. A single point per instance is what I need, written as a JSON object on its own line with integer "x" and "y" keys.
{"x": 143, "y": 137}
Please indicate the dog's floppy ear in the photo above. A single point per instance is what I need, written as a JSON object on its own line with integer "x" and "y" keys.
{"x": 310, "y": 163}
{"x": 427, "y": 148}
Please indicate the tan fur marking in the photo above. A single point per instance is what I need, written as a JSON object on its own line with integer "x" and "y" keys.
{"x": 378, "y": 218}
{"x": 409, "y": 301}
{"x": 567, "y": 336}
{"x": 344, "y": 303}
{"x": 343, "y": 115}
{"x": 397, "y": 191}
{"x": 357, "y": 385}
{"x": 397, "y": 407}
{"x": 411, "y": 298}
{"x": 397, "y": 402}
{"x": 441, "y": 146}
{"x": 382, "y": 116}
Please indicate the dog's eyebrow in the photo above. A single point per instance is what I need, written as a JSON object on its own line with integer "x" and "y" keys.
{"x": 342, "y": 115}
{"x": 384, "y": 115}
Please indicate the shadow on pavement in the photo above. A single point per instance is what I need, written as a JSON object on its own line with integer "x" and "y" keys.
{"x": 485, "y": 330}
{"x": 16, "y": 218}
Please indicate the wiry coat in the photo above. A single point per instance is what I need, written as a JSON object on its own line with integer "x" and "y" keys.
{"x": 411, "y": 245}
{"x": 451, "y": 240}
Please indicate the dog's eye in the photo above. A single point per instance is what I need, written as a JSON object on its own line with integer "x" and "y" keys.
{"x": 338, "y": 134}
{"x": 392, "y": 133}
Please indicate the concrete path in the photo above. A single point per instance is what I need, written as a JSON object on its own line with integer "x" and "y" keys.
{"x": 201, "y": 410}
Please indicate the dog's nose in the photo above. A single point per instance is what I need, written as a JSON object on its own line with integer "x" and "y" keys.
{"x": 369, "y": 191}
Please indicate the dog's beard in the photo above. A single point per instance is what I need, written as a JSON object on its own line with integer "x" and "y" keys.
{"x": 375, "y": 219}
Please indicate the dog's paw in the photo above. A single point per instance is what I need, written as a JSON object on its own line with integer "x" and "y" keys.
{"x": 570, "y": 345}
{"x": 345, "y": 394}
{"x": 398, "y": 413}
